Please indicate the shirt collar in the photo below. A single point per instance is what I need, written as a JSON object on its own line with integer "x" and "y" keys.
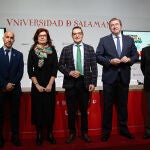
{"x": 10, "y": 49}
{"x": 81, "y": 44}
{"x": 119, "y": 35}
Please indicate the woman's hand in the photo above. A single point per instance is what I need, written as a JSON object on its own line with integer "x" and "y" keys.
{"x": 40, "y": 88}
{"x": 48, "y": 88}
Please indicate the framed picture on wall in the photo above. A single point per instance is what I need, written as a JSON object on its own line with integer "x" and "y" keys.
{"x": 141, "y": 39}
{"x": 2, "y": 31}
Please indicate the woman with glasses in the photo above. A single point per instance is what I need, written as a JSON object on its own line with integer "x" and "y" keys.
{"x": 42, "y": 70}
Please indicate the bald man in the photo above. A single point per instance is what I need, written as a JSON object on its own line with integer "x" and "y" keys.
{"x": 11, "y": 72}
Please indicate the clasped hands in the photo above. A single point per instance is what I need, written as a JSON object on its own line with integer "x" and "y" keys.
{"x": 44, "y": 89}
{"x": 116, "y": 61}
{"x": 76, "y": 74}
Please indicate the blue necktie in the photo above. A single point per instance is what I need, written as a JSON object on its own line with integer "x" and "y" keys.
{"x": 118, "y": 46}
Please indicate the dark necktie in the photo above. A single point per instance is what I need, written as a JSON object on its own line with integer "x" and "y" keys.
{"x": 79, "y": 62}
{"x": 7, "y": 56}
{"x": 118, "y": 46}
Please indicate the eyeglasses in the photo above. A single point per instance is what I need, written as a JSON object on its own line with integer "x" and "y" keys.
{"x": 44, "y": 35}
{"x": 78, "y": 33}
{"x": 114, "y": 25}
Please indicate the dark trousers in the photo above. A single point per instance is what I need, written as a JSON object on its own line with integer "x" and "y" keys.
{"x": 43, "y": 110}
{"x": 77, "y": 97}
{"x": 118, "y": 94}
{"x": 148, "y": 112}
{"x": 14, "y": 104}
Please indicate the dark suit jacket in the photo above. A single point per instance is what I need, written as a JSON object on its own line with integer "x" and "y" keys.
{"x": 66, "y": 64}
{"x": 106, "y": 51}
{"x": 145, "y": 67}
{"x": 14, "y": 73}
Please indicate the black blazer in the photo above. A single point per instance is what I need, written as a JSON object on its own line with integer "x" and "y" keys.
{"x": 15, "y": 71}
{"x": 66, "y": 64}
{"x": 106, "y": 51}
{"x": 145, "y": 67}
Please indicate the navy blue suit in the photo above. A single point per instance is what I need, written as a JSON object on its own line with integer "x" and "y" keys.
{"x": 11, "y": 73}
{"x": 106, "y": 51}
{"x": 115, "y": 79}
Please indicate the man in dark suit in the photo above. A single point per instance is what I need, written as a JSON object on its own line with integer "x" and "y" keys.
{"x": 145, "y": 67}
{"x": 11, "y": 72}
{"x": 78, "y": 81}
{"x": 116, "y": 53}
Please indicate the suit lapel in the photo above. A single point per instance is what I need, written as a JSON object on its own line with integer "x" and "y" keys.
{"x": 124, "y": 43}
{"x": 71, "y": 54}
{"x": 112, "y": 43}
{"x": 4, "y": 60}
{"x": 2, "y": 51}
{"x": 85, "y": 53}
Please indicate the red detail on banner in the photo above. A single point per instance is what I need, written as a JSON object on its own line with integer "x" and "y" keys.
{"x": 94, "y": 114}
{"x": 61, "y": 116}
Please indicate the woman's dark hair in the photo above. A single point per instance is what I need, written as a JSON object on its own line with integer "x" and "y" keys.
{"x": 35, "y": 38}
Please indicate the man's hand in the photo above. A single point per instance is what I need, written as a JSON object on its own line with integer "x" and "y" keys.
{"x": 125, "y": 59}
{"x": 115, "y": 61}
{"x": 74, "y": 73}
{"x": 91, "y": 87}
{"x": 9, "y": 87}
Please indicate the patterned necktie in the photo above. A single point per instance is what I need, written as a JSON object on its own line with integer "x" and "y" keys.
{"x": 79, "y": 62}
{"x": 118, "y": 46}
